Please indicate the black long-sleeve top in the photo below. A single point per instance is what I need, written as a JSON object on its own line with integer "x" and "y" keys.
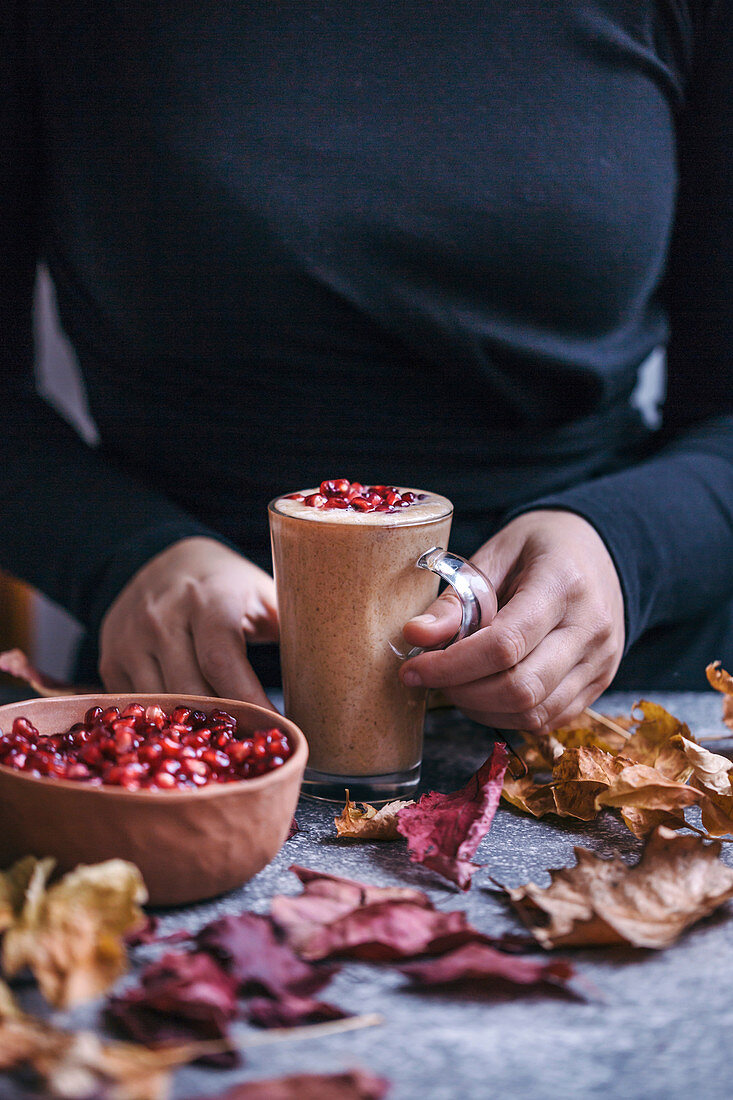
{"x": 397, "y": 241}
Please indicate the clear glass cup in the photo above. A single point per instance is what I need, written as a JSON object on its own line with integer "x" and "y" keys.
{"x": 347, "y": 582}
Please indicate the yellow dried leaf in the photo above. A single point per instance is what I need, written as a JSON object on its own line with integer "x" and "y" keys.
{"x": 586, "y": 731}
{"x": 679, "y": 880}
{"x": 71, "y": 934}
{"x": 652, "y": 742}
{"x": 21, "y": 885}
{"x": 369, "y": 823}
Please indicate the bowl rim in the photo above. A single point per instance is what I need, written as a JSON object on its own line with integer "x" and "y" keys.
{"x": 296, "y": 761}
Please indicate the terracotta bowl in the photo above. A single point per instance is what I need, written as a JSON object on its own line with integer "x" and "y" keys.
{"x": 189, "y": 845}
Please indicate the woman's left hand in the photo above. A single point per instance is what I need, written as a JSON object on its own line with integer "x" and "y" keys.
{"x": 556, "y": 641}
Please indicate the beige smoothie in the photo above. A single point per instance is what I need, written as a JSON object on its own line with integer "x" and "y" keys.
{"x": 346, "y": 584}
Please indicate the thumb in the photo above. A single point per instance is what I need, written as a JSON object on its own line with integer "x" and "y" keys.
{"x": 437, "y": 624}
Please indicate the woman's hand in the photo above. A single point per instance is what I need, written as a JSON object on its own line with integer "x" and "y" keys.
{"x": 556, "y": 641}
{"x": 182, "y": 624}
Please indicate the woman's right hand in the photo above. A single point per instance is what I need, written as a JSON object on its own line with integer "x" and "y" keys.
{"x": 182, "y": 624}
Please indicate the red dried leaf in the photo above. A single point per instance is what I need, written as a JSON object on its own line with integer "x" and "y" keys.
{"x": 356, "y": 1085}
{"x": 328, "y": 897}
{"x": 388, "y": 930}
{"x": 182, "y": 997}
{"x": 148, "y": 933}
{"x": 443, "y": 831}
{"x": 480, "y": 962}
{"x": 292, "y": 1011}
{"x": 250, "y": 952}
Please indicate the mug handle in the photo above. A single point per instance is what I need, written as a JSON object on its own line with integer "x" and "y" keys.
{"x": 475, "y": 592}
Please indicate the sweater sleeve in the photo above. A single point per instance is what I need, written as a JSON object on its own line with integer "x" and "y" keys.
{"x": 72, "y": 524}
{"x": 668, "y": 521}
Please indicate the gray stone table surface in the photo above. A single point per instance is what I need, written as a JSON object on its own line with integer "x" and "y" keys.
{"x": 659, "y": 1026}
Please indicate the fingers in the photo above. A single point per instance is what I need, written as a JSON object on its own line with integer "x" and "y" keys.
{"x": 575, "y": 692}
{"x": 437, "y": 624}
{"x": 143, "y": 675}
{"x": 516, "y": 630}
{"x": 219, "y": 643}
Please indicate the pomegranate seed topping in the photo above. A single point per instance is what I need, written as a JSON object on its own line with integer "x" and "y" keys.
{"x": 336, "y": 502}
{"x": 315, "y": 500}
{"x": 336, "y": 487}
{"x": 409, "y": 497}
{"x": 295, "y": 496}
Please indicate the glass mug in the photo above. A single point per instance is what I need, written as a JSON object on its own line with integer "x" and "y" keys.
{"x": 347, "y": 582}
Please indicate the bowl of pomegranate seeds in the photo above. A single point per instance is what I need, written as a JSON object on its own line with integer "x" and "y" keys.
{"x": 199, "y": 793}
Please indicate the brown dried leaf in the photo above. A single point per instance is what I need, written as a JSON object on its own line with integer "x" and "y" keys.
{"x": 71, "y": 935}
{"x": 678, "y": 881}
{"x": 722, "y": 681}
{"x": 80, "y": 1065}
{"x": 652, "y": 743}
{"x": 579, "y": 776}
{"x": 21, "y": 885}
{"x": 586, "y": 731}
{"x": 528, "y": 795}
{"x": 717, "y": 813}
{"x": 710, "y": 770}
{"x": 642, "y": 794}
{"x": 370, "y": 823}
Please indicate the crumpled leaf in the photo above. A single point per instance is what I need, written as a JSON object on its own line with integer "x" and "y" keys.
{"x": 722, "y": 681}
{"x": 71, "y": 935}
{"x": 248, "y": 949}
{"x": 182, "y": 997}
{"x": 443, "y": 831}
{"x": 653, "y": 742}
{"x": 22, "y": 884}
{"x": 678, "y": 881}
{"x": 388, "y": 930}
{"x": 354, "y": 1085}
{"x": 478, "y": 961}
{"x": 370, "y": 823}
{"x": 528, "y": 795}
{"x": 642, "y": 794}
{"x": 710, "y": 770}
{"x": 15, "y": 663}
{"x": 579, "y": 776}
{"x": 586, "y": 731}
{"x": 325, "y": 898}
{"x": 149, "y": 932}
{"x": 80, "y": 1065}
{"x": 292, "y": 1011}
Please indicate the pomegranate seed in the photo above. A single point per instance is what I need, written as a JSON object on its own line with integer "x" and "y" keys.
{"x": 315, "y": 500}
{"x": 359, "y": 504}
{"x": 295, "y": 496}
{"x": 197, "y": 719}
{"x": 163, "y": 780}
{"x": 181, "y": 716}
{"x": 155, "y": 716}
{"x": 109, "y": 715}
{"x": 390, "y": 497}
{"x": 336, "y": 502}
{"x": 336, "y": 487}
{"x": 92, "y": 716}
{"x": 23, "y": 727}
{"x": 134, "y": 710}
{"x": 409, "y": 497}
{"x": 382, "y": 508}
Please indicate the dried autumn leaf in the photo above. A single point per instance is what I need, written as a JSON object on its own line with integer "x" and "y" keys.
{"x": 79, "y": 1065}
{"x": 327, "y": 897}
{"x": 587, "y": 731}
{"x": 369, "y": 823}
{"x": 579, "y": 776}
{"x": 387, "y": 930}
{"x": 249, "y": 950}
{"x": 652, "y": 743}
{"x": 292, "y": 1011}
{"x": 182, "y": 997}
{"x": 678, "y": 881}
{"x": 443, "y": 831}
{"x": 71, "y": 935}
{"x": 15, "y": 663}
{"x": 642, "y": 794}
{"x": 354, "y": 1085}
{"x": 22, "y": 884}
{"x": 710, "y": 770}
{"x": 528, "y": 795}
{"x": 722, "y": 681}
{"x": 479, "y": 962}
